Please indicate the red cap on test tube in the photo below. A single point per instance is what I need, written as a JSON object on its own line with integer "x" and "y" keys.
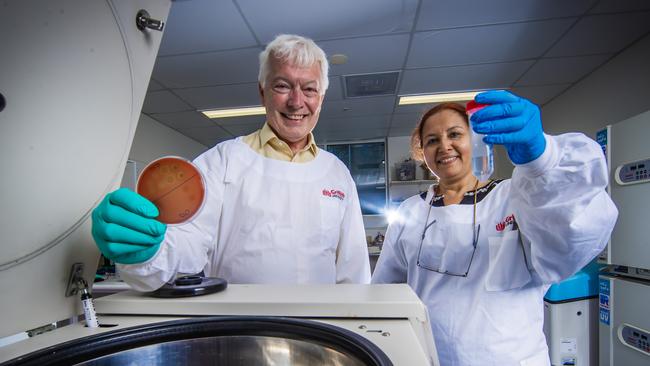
{"x": 472, "y": 106}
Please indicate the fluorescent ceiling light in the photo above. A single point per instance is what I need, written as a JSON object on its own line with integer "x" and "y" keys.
{"x": 436, "y": 98}
{"x": 234, "y": 112}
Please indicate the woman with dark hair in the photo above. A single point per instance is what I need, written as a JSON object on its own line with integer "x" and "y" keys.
{"x": 482, "y": 254}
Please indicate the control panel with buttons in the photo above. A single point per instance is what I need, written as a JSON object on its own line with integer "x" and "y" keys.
{"x": 635, "y": 338}
{"x": 634, "y": 172}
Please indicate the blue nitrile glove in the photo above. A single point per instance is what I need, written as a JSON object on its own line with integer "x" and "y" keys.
{"x": 124, "y": 227}
{"x": 510, "y": 121}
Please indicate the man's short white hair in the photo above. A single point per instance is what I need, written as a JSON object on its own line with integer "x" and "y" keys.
{"x": 298, "y": 51}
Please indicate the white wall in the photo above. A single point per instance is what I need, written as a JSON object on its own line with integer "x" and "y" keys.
{"x": 153, "y": 140}
{"x": 618, "y": 90}
{"x": 398, "y": 150}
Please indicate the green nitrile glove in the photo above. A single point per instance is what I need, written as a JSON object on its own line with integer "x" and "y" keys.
{"x": 124, "y": 227}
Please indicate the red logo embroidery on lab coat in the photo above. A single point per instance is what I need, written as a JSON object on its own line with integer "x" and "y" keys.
{"x": 334, "y": 193}
{"x": 507, "y": 221}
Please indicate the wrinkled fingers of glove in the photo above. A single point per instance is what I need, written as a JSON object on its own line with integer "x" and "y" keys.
{"x": 511, "y": 121}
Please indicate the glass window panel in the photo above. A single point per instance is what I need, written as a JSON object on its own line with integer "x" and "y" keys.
{"x": 367, "y": 165}
{"x": 342, "y": 152}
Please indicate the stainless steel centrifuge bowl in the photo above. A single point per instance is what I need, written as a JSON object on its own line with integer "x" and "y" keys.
{"x": 241, "y": 340}
{"x": 230, "y": 350}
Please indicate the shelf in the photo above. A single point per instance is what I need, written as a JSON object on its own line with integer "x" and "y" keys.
{"x": 417, "y": 181}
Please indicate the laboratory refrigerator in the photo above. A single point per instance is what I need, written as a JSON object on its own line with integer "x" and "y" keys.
{"x": 624, "y": 289}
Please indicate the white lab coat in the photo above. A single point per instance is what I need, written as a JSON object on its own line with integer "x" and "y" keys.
{"x": 265, "y": 221}
{"x": 494, "y": 316}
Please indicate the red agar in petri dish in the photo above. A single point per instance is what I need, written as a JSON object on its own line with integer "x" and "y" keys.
{"x": 175, "y": 186}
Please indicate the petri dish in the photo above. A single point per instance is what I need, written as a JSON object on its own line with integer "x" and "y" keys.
{"x": 176, "y": 186}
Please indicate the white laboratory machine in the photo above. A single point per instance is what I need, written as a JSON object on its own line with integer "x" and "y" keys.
{"x": 73, "y": 76}
{"x": 571, "y": 319}
{"x": 624, "y": 293}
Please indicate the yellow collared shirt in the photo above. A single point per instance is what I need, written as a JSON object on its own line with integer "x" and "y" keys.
{"x": 266, "y": 143}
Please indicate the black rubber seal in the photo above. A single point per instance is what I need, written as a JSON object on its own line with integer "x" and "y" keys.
{"x": 88, "y": 348}
{"x": 570, "y": 300}
{"x": 191, "y": 286}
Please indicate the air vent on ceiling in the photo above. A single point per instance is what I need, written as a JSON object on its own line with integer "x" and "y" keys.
{"x": 366, "y": 85}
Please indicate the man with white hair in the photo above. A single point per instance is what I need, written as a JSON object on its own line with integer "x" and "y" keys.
{"x": 278, "y": 209}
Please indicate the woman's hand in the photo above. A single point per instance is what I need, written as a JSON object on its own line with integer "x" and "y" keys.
{"x": 511, "y": 121}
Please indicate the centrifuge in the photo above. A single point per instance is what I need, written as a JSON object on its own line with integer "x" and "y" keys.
{"x": 244, "y": 325}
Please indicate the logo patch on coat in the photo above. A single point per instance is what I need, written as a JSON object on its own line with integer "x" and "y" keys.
{"x": 334, "y": 193}
{"x": 507, "y": 221}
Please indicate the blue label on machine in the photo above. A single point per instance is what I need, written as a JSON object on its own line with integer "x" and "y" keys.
{"x": 604, "y": 316}
{"x": 601, "y": 139}
{"x": 603, "y": 286}
{"x": 603, "y": 300}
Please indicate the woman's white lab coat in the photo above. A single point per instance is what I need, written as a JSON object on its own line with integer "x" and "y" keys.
{"x": 558, "y": 206}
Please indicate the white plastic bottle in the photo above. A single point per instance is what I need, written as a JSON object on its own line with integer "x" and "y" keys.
{"x": 482, "y": 154}
{"x": 89, "y": 308}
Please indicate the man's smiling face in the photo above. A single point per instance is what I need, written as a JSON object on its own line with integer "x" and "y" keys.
{"x": 292, "y": 100}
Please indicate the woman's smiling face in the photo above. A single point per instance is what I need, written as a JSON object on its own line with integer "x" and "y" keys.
{"x": 446, "y": 145}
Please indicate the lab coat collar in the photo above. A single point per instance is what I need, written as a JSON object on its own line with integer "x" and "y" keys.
{"x": 267, "y": 135}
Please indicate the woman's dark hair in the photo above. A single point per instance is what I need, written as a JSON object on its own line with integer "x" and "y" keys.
{"x": 416, "y": 136}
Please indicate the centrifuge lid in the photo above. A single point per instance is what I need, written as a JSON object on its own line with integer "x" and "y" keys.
{"x": 328, "y": 301}
{"x": 73, "y": 75}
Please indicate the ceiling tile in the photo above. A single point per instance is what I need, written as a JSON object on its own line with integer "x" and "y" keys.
{"x": 239, "y": 95}
{"x": 207, "y": 133}
{"x": 209, "y": 54}
{"x": 610, "y": 6}
{"x": 495, "y": 43}
{"x": 182, "y": 120}
{"x": 154, "y": 85}
{"x": 204, "y": 25}
{"x": 321, "y": 20}
{"x": 540, "y": 95}
{"x": 458, "y": 13}
{"x": 222, "y": 96}
{"x": 358, "y": 107}
{"x": 561, "y": 70}
{"x": 335, "y": 89}
{"x": 457, "y": 78}
{"x": 385, "y": 53}
{"x": 208, "y": 69}
{"x": 606, "y": 33}
{"x": 408, "y": 120}
{"x": 354, "y": 123}
{"x": 163, "y": 101}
